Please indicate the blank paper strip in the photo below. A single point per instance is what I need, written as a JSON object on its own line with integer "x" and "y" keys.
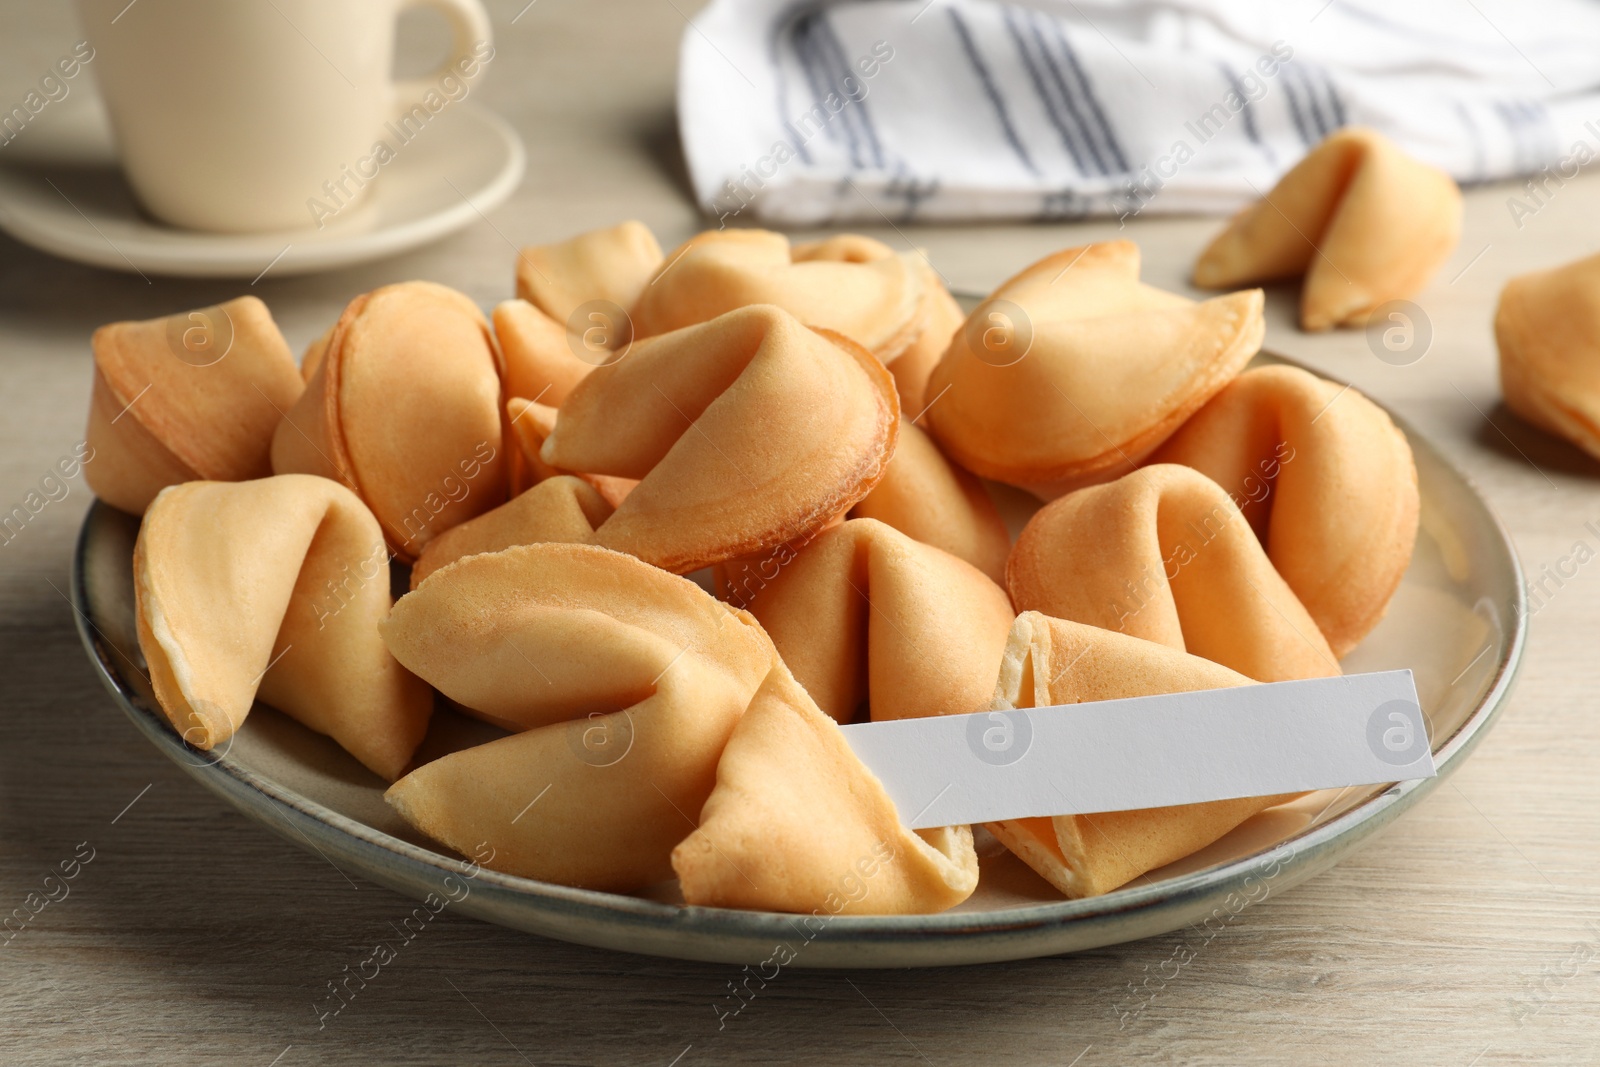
{"x": 1148, "y": 752}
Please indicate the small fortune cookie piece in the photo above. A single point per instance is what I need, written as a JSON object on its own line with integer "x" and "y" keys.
{"x": 1361, "y": 220}
{"x": 1074, "y": 370}
{"x": 625, "y": 682}
{"x": 562, "y": 509}
{"x": 925, "y": 495}
{"x": 1049, "y": 662}
{"x": 878, "y": 303}
{"x": 187, "y": 397}
{"x": 274, "y": 588}
{"x": 1548, "y": 329}
{"x": 531, "y": 423}
{"x": 747, "y": 432}
{"x": 1325, "y": 479}
{"x": 570, "y": 314}
{"x": 1165, "y": 554}
{"x": 866, "y": 614}
{"x": 797, "y": 823}
{"x": 404, "y": 408}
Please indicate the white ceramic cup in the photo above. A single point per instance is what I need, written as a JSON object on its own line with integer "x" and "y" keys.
{"x": 234, "y": 115}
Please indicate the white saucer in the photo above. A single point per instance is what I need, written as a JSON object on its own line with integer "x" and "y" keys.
{"x": 74, "y": 203}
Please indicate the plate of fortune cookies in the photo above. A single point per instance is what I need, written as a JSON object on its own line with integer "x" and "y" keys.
{"x": 554, "y": 614}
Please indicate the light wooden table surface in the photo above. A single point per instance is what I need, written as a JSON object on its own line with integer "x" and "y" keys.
{"x": 194, "y": 936}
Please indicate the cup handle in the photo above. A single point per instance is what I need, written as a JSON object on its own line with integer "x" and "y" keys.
{"x": 471, "y": 34}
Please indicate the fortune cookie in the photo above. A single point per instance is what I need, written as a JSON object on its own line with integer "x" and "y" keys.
{"x": 1361, "y": 220}
{"x": 747, "y": 432}
{"x": 1165, "y": 554}
{"x": 531, "y": 423}
{"x": 866, "y": 614}
{"x": 543, "y": 361}
{"x": 1548, "y": 330}
{"x": 940, "y": 315}
{"x": 188, "y": 397}
{"x": 1324, "y": 478}
{"x": 311, "y": 359}
{"x": 798, "y": 823}
{"x": 625, "y": 682}
{"x": 562, "y": 509}
{"x": 274, "y": 588}
{"x": 1050, "y": 662}
{"x": 1074, "y": 371}
{"x": 913, "y": 367}
{"x": 612, "y": 265}
{"x": 571, "y": 312}
{"x": 404, "y": 408}
{"x": 925, "y": 495}
{"x": 877, "y": 303}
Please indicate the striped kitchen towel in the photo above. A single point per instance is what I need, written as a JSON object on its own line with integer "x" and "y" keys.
{"x": 827, "y": 110}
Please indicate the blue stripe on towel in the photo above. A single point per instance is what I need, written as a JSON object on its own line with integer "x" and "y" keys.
{"x": 908, "y": 188}
{"x": 1247, "y": 115}
{"x": 777, "y": 37}
{"x": 1298, "y": 70}
{"x": 1068, "y": 140}
{"x": 856, "y": 110}
{"x": 811, "y": 65}
{"x": 797, "y": 143}
{"x": 1533, "y": 136}
{"x": 1068, "y": 96}
{"x": 1091, "y": 100}
{"x": 1335, "y": 101}
{"x": 1480, "y": 156}
{"x": 1294, "y": 110}
{"x": 1066, "y": 204}
{"x": 991, "y": 90}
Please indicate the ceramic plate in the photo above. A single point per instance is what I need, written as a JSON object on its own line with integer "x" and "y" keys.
{"x": 1457, "y": 622}
{"x": 464, "y": 163}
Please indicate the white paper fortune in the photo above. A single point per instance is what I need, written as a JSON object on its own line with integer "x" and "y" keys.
{"x": 1148, "y": 752}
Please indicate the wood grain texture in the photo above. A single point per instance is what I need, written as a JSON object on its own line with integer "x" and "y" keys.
{"x": 1467, "y": 934}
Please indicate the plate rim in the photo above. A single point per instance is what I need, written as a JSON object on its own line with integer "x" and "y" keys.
{"x": 1314, "y": 848}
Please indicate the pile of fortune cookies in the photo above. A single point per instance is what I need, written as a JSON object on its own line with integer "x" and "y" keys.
{"x": 806, "y": 428}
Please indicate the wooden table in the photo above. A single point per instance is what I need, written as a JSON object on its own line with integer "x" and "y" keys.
{"x": 1468, "y": 934}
